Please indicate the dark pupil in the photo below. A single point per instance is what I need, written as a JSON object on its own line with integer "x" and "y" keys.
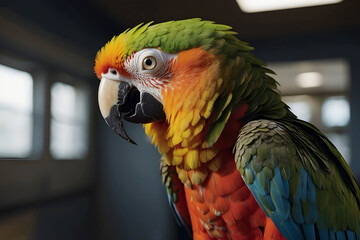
{"x": 148, "y": 62}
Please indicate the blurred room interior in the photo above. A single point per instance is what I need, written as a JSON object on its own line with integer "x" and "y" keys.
{"x": 65, "y": 175}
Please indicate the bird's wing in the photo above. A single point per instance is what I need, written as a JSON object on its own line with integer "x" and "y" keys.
{"x": 299, "y": 179}
{"x": 176, "y": 195}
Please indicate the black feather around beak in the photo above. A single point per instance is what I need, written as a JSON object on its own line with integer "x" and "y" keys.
{"x": 134, "y": 107}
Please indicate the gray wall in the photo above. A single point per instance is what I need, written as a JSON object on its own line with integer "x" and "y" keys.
{"x": 132, "y": 200}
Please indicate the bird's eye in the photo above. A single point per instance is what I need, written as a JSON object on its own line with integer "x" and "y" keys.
{"x": 149, "y": 63}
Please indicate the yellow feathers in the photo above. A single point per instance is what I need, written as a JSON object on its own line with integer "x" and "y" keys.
{"x": 192, "y": 159}
{"x": 180, "y": 151}
{"x": 112, "y": 54}
{"x": 210, "y": 105}
{"x": 189, "y": 101}
{"x": 184, "y": 124}
{"x": 117, "y": 49}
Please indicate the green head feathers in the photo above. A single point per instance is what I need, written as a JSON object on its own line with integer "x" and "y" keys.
{"x": 171, "y": 37}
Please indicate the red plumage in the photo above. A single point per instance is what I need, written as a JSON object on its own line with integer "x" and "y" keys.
{"x": 222, "y": 206}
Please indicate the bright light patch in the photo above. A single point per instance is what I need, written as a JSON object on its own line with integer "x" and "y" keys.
{"x": 335, "y": 112}
{"x": 251, "y": 6}
{"x": 309, "y": 79}
{"x": 342, "y": 143}
{"x": 68, "y": 132}
{"x": 16, "y": 107}
{"x": 63, "y": 101}
{"x": 301, "y": 109}
{"x": 16, "y": 89}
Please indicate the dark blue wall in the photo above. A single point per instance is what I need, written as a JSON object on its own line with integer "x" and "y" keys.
{"x": 133, "y": 201}
{"x": 70, "y": 219}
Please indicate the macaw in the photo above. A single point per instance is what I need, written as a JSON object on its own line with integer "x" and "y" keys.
{"x": 236, "y": 162}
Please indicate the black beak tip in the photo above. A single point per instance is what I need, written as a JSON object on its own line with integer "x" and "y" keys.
{"x": 131, "y": 141}
{"x": 122, "y": 133}
{"x": 116, "y": 124}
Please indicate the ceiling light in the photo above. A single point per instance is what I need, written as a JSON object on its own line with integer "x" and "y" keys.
{"x": 251, "y": 6}
{"x": 309, "y": 79}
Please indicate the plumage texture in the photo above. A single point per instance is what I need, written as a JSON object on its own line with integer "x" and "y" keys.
{"x": 286, "y": 175}
{"x": 206, "y": 87}
{"x": 299, "y": 179}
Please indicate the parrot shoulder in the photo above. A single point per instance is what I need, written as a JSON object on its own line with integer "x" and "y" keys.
{"x": 299, "y": 179}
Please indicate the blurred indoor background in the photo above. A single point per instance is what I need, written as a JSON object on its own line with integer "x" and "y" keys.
{"x": 65, "y": 175}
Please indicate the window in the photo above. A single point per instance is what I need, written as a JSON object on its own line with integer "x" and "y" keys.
{"x": 68, "y": 133}
{"x": 44, "y": 116}
{"x": 300, "y": 106}
{"x": 32, "y": 126}
{"x": 301, "y": 109}
{"x": 342, "y": 143}
{"x": 335, "y": 112}
{"x": 315, "y": 91}
{"x": 16, "y": 113}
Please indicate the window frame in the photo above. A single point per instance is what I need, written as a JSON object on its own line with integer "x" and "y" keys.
{"x": 22, "y": 65}
{"x": 72, "y": 81}
{"x": 41, "y": 177}
{"x": 318, "y": 101}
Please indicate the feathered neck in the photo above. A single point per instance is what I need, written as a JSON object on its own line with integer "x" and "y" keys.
{"x": 209, "y": 97}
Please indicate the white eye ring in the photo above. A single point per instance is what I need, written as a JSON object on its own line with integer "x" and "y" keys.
{"x": 149, "y": 63}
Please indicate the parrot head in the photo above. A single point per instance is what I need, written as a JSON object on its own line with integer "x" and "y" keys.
{"x": 150, "y": 73}
{"x": 184, "y": 77}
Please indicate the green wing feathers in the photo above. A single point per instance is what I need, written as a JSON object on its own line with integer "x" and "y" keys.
{"x": 176, "y": 194}
{"x": 299, "y": 179}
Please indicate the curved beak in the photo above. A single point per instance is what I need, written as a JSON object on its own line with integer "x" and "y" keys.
{"x": 117, "y": 100}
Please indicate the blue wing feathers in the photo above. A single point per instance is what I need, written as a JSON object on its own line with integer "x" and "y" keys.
{"x": 302, "y": 188}
{"x": 304, "y": 178}
{"x": 266, "y": 202}
{"x": 309, "y": 231}
{"x": 324, "y": 234}
{"x": 297, "y": 212}
{"x": 350, "y": 234}
{"x": 279, "y": 206}
{"x": 332, "y": 235}
{"x": 311, "y": 191}
{"x": 289, "y": 215}
{"x": 262, "y": 183}
{"x": 296, "y": 215}
{"x": 258, "y": 187}
{"x": 277, "y": 199}
{"x": 282, "y": 186}
{"x": 288, "y": 228}
{"x": 340, "y": 235}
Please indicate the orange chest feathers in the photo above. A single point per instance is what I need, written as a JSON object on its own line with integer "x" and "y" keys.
{"x": 219, "y": 203}
{"x": 223, "y": 207}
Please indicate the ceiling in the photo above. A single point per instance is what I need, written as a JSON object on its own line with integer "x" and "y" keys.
{"x": 88, "y": 24}
{"x": 248, "y": 25}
